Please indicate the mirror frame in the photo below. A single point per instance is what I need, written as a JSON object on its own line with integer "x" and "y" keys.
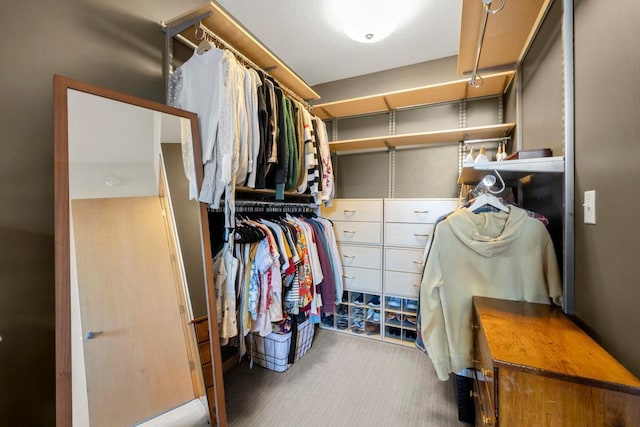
{"x": 61, "y": 85}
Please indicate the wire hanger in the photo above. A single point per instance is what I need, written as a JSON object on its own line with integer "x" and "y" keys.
{"x": 488, "y": 196}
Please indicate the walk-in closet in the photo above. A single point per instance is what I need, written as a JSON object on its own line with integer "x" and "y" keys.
{"x": 258, "y": 213}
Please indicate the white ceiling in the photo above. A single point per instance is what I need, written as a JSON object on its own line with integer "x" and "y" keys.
{"x": 301, "y": 34}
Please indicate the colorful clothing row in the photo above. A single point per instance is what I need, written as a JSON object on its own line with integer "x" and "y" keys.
{"x": 291, "y": 266}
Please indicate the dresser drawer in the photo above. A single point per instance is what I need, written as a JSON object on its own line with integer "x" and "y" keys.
{"x": 362, "y": 279}
{"x": 411, "y": 235}
{"x": 354, "y": 210}
{"x": 405, "y": 260}
{"x": 402, "y": 284}
{"x": 358, "y": 232}
{"x": 360, "y": 256}
{"x": 417, "y": 210}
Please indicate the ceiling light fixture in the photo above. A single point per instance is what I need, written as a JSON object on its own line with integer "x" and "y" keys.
{"x": 369, "y": 21}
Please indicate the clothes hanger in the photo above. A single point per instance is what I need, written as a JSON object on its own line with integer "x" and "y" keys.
{"x": 204, "y": 45}
{"x": 488, "y": 197}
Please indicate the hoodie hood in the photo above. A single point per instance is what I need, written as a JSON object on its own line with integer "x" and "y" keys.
{"x": 487, "y": 233}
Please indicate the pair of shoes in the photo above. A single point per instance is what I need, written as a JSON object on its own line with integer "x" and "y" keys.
{"x": 411, "y": 304}
{"x": 357, "y": 299}
{"x": 343, "y": 309}
{"x": 394, "y": 318}
{"x": 374, "y": 301}
{"x": 410, "y": 321}
{"x": 373, "y": 315}
{"x": 393, "y": 332}
{"x": 342, "y": 323}
{"x": 372, "y": 329}
{"x": 393, "y": 302}
{"x": 358, "y": 323}
{"x": 327, "y": 320}
{"x": 410, "y": 335}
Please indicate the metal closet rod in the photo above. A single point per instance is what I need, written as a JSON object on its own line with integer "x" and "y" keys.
{"x": 478, "y": 141}
{"x": 483, "y": 26}
{"x": 242, "y": 58}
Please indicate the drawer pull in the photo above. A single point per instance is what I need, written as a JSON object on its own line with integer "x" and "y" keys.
{"x": 421, "y": 212}
{"x": 417, "y": 262}
{"x": 487, "y": 373}
{"x": 488, "y": 421}
{"x": 92, "y": 334}
{"x": 475, "y": 326}
{"x": 348, "y": 277}
{"x": 473, "y": 394}
{"x": 416, "y": 286}
{"x": 420, "y": 235}
{"x": 349, "y": 211}
{"x": 349, "y": 231}
{"x": 348, "y": 256}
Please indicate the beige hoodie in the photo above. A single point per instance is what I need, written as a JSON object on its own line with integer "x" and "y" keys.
{"x": 499, "y": 255}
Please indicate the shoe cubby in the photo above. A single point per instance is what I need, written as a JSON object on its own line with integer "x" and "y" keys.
{"x": 359, "y": 313}
{"x": 400, "y": 318}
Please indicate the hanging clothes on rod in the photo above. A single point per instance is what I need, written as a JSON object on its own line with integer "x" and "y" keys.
{"x": 281, "y": 265}
{"x": 254, "y": 131}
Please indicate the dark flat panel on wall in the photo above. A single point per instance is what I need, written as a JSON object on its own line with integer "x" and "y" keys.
{"x": 607, "y": 153}
{"x": 542, "y": 87}
{"x": 427, "y": 172}
{"x": 363, "y": 175}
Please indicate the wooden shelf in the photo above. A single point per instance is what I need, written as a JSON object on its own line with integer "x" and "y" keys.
{"x": 494, "y": 84}
{"x": 507, "y": 36}
{"x": 227, "y": 28}
{"x": 511, "y": 170}
{"x": 424, "y": 138}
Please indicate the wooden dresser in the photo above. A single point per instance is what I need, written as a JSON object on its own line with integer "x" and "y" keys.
{"x": 536, "y": 367}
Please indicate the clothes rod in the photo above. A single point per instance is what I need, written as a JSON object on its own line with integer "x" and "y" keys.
{"x": 476, "y": 79}
{"x": 478, "y": 141}
{"x": 252, "y": 64}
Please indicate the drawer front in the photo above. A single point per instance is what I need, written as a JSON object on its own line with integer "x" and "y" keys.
{"x": 362, "y": 279}
{"x": 358, "y": 232}
{"x": 402, "y": 284}
{"x": 405, "y": 260}
{"x": 417, "y": 210}
{"x": 202, "y": 329}
{"x": 354, "y": 210}
{"x": 410, "y": 235}
{"x": 484, "y": 373}
{"x": 360, "y": 256}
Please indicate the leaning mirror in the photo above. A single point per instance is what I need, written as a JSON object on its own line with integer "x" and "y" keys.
{"x": 131, "y": 275}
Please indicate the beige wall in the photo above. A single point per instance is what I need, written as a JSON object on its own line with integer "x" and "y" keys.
{"x": 607, "y": 154}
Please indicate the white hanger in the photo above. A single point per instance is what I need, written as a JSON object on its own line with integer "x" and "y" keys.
{"x": 204, "y": 45}
{"x": 487, "y": 197}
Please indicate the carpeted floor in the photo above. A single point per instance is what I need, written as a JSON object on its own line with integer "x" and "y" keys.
{"x": 343, "y": 380}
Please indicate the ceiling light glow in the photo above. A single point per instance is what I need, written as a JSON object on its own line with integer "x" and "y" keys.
{"x": 369, "y": 21}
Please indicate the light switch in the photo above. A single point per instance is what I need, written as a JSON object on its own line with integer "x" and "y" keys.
{"x": 589, "y": 207}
